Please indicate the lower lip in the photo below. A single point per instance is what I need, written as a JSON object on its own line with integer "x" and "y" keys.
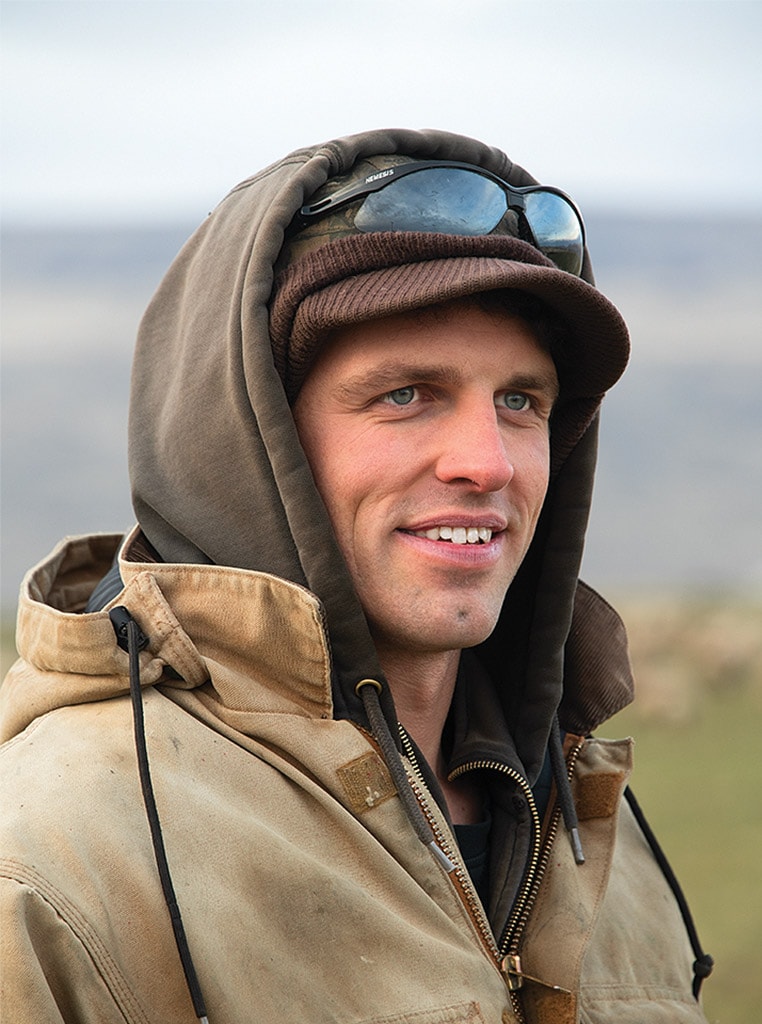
{"x": 469, "y": 556}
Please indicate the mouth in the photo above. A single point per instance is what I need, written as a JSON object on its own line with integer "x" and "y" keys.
{"x": 455, "y": 534}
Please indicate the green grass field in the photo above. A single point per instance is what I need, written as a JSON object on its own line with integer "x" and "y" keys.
{"x": 700, "y": 784}
{"x": 698, "y": 774}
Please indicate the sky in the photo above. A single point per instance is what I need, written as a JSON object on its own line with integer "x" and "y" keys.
{"x": 127, "y": 112}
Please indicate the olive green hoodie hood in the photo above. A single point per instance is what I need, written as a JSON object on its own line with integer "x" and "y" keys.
{"x": 219, "y": 476}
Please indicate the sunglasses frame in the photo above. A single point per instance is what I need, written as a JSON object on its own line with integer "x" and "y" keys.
{"x": 381, "y": 179}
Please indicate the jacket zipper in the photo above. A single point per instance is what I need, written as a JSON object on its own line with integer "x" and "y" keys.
{"x": 505, "y": 955}
{"x": 464, "y": 884}
{"x": 532, "y": 877}
{"x": 518, "y": 921}
{"x": 520, "y": 915}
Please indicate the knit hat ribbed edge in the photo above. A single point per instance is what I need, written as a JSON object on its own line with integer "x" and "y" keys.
{"x": 365, "y": 277}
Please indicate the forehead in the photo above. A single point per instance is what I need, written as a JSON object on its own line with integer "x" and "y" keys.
{"x": 443, "y": 342}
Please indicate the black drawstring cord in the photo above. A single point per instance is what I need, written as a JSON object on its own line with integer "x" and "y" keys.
{"x": 368, "y": 689}
{"x": 131, "y": 639}
{"x": 563, "y": 786}
{"x": 704, "y": 963}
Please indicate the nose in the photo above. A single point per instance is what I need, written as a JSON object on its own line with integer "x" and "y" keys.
{"x": 473, "y": 449}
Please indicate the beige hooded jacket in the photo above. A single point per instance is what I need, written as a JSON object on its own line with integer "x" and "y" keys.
{"x": 308, "y": 888}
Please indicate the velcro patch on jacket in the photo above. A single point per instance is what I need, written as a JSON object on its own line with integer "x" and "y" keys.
{"x": 461, "y": 1013}
{"x": 366, "y": 782}
{"x": 597, "y": 795}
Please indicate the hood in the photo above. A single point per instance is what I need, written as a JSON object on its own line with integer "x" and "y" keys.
{"x": 219, "y": 476}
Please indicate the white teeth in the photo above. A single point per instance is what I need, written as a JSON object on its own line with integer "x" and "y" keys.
{"x": 458, "y": 534}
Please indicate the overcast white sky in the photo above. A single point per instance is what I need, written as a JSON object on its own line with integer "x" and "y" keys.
{"x": 154, "y": 108}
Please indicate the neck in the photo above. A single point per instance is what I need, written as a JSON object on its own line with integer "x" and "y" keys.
{"x": 422, "y": 686}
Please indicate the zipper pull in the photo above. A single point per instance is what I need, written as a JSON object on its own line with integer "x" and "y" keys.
{"x": 515, "y": 977}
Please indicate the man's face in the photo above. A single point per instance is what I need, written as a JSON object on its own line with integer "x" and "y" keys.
{"x": 428, "y": 439}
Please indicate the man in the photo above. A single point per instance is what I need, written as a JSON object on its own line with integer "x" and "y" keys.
{"x": 347, "y": 635}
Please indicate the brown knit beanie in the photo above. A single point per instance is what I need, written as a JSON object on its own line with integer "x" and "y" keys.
{"x": 330, "y": 276}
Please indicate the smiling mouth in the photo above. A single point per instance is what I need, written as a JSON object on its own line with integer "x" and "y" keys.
{"x": 456, "y": 534}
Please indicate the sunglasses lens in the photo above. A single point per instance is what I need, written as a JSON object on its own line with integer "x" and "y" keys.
{"x": 556, "y": 228}
{"x": 445, "y": 200}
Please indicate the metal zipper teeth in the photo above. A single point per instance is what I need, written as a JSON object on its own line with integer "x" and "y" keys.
{"x": 464, "y": 883}
{"x": 515, "y": 927}
{"x": 534, "y": 865}
{"x": 538, "y": 862}
{"x": 534, "y": 860}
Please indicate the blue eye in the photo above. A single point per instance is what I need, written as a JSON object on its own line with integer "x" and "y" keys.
{"x": 401, "y": 396}
{"x": 515, "y": 401}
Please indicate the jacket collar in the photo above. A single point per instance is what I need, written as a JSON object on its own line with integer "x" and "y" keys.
{"x": 230, "y": 626}
{"x": 204, "y": 623}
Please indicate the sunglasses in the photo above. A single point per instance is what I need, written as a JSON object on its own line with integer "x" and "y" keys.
{"x": 447, "y": 197}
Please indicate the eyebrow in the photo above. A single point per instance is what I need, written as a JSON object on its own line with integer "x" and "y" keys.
{"x": 392, "y": 375}
{"x": 546, "y": 383}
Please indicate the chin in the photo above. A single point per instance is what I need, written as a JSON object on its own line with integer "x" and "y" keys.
{"x": 470, "y": 638}
{"x": 452, "y": 634}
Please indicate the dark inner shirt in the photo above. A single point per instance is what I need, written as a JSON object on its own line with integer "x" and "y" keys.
{"x": 473, "y": 841}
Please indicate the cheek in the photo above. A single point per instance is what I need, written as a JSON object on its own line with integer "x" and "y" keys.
{"x": 353, "y": 466}
{"x": 323, "y": 444}
{"x": 533, "y": 459}
{"x": 535, "y": 472}
{"x": 541, "y": 464}
{"x": 344, "y": 479}
{"x": 363, "y": 497}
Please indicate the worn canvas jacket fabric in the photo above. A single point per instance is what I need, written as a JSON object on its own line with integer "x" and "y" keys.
{"x": 304, "y": 889}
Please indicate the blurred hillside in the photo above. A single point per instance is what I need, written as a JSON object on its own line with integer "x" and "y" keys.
{"x": 680, "y": 482}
